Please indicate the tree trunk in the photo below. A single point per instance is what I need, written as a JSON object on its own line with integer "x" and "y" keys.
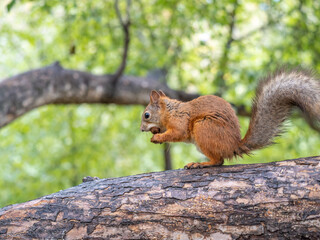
{"x": 279, "y": 200}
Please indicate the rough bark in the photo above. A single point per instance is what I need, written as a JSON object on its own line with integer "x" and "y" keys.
{"x": 277, "y": 200}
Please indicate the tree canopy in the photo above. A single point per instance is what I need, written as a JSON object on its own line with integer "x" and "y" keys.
{"x": 205, "y": 47}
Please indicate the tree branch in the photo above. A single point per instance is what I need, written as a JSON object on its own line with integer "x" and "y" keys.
{"x": 257, "y": 201}
{"x": 219, "y": 78}
{"x": 167, "y": 156}
{"x": 125, "y": 24}
{"x": 56, "y": 85}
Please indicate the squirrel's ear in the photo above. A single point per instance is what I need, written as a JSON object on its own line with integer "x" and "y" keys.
{"x": 162, "y": 93}
{"x": 154, "y": 96}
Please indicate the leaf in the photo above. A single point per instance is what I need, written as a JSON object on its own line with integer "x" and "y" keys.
{"x": 10, "y": 5}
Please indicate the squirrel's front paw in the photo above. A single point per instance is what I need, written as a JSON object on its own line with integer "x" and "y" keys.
{"x": 156, "y": 139}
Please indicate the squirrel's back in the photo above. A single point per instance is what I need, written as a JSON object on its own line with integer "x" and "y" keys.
{"x": 211, "y": 104}
{"x": 276, "y": 95}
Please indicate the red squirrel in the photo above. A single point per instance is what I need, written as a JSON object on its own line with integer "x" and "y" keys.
{"x": 211, "y": 124}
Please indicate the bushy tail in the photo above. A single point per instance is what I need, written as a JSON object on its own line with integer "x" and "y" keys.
{"x": 275, "y": 97}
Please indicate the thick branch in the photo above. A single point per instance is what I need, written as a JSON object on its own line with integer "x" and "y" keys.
{"x": 260, "y": 201}
{"x": 56, "y": 85}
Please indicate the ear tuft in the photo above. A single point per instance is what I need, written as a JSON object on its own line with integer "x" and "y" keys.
{"x": 154, "y": 96}
{"x": 162, "y": 94}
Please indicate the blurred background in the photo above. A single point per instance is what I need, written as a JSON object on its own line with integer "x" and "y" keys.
{"x": 205, "y": 47}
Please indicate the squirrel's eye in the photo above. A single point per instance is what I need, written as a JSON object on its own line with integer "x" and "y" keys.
{"x": 146, "y": 115}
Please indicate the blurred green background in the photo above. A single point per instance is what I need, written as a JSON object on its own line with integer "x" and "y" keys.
{"x": 206, "y": 46}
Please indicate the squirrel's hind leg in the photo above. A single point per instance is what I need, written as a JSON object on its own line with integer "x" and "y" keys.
{"x": 214, "y": 139}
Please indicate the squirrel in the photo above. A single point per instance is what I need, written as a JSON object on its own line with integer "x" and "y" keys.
{"x": 211, "y": 124}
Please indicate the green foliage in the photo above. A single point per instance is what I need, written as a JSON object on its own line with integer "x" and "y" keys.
{"x": 53, "y": 147}
{"x": 10, "y": 5}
